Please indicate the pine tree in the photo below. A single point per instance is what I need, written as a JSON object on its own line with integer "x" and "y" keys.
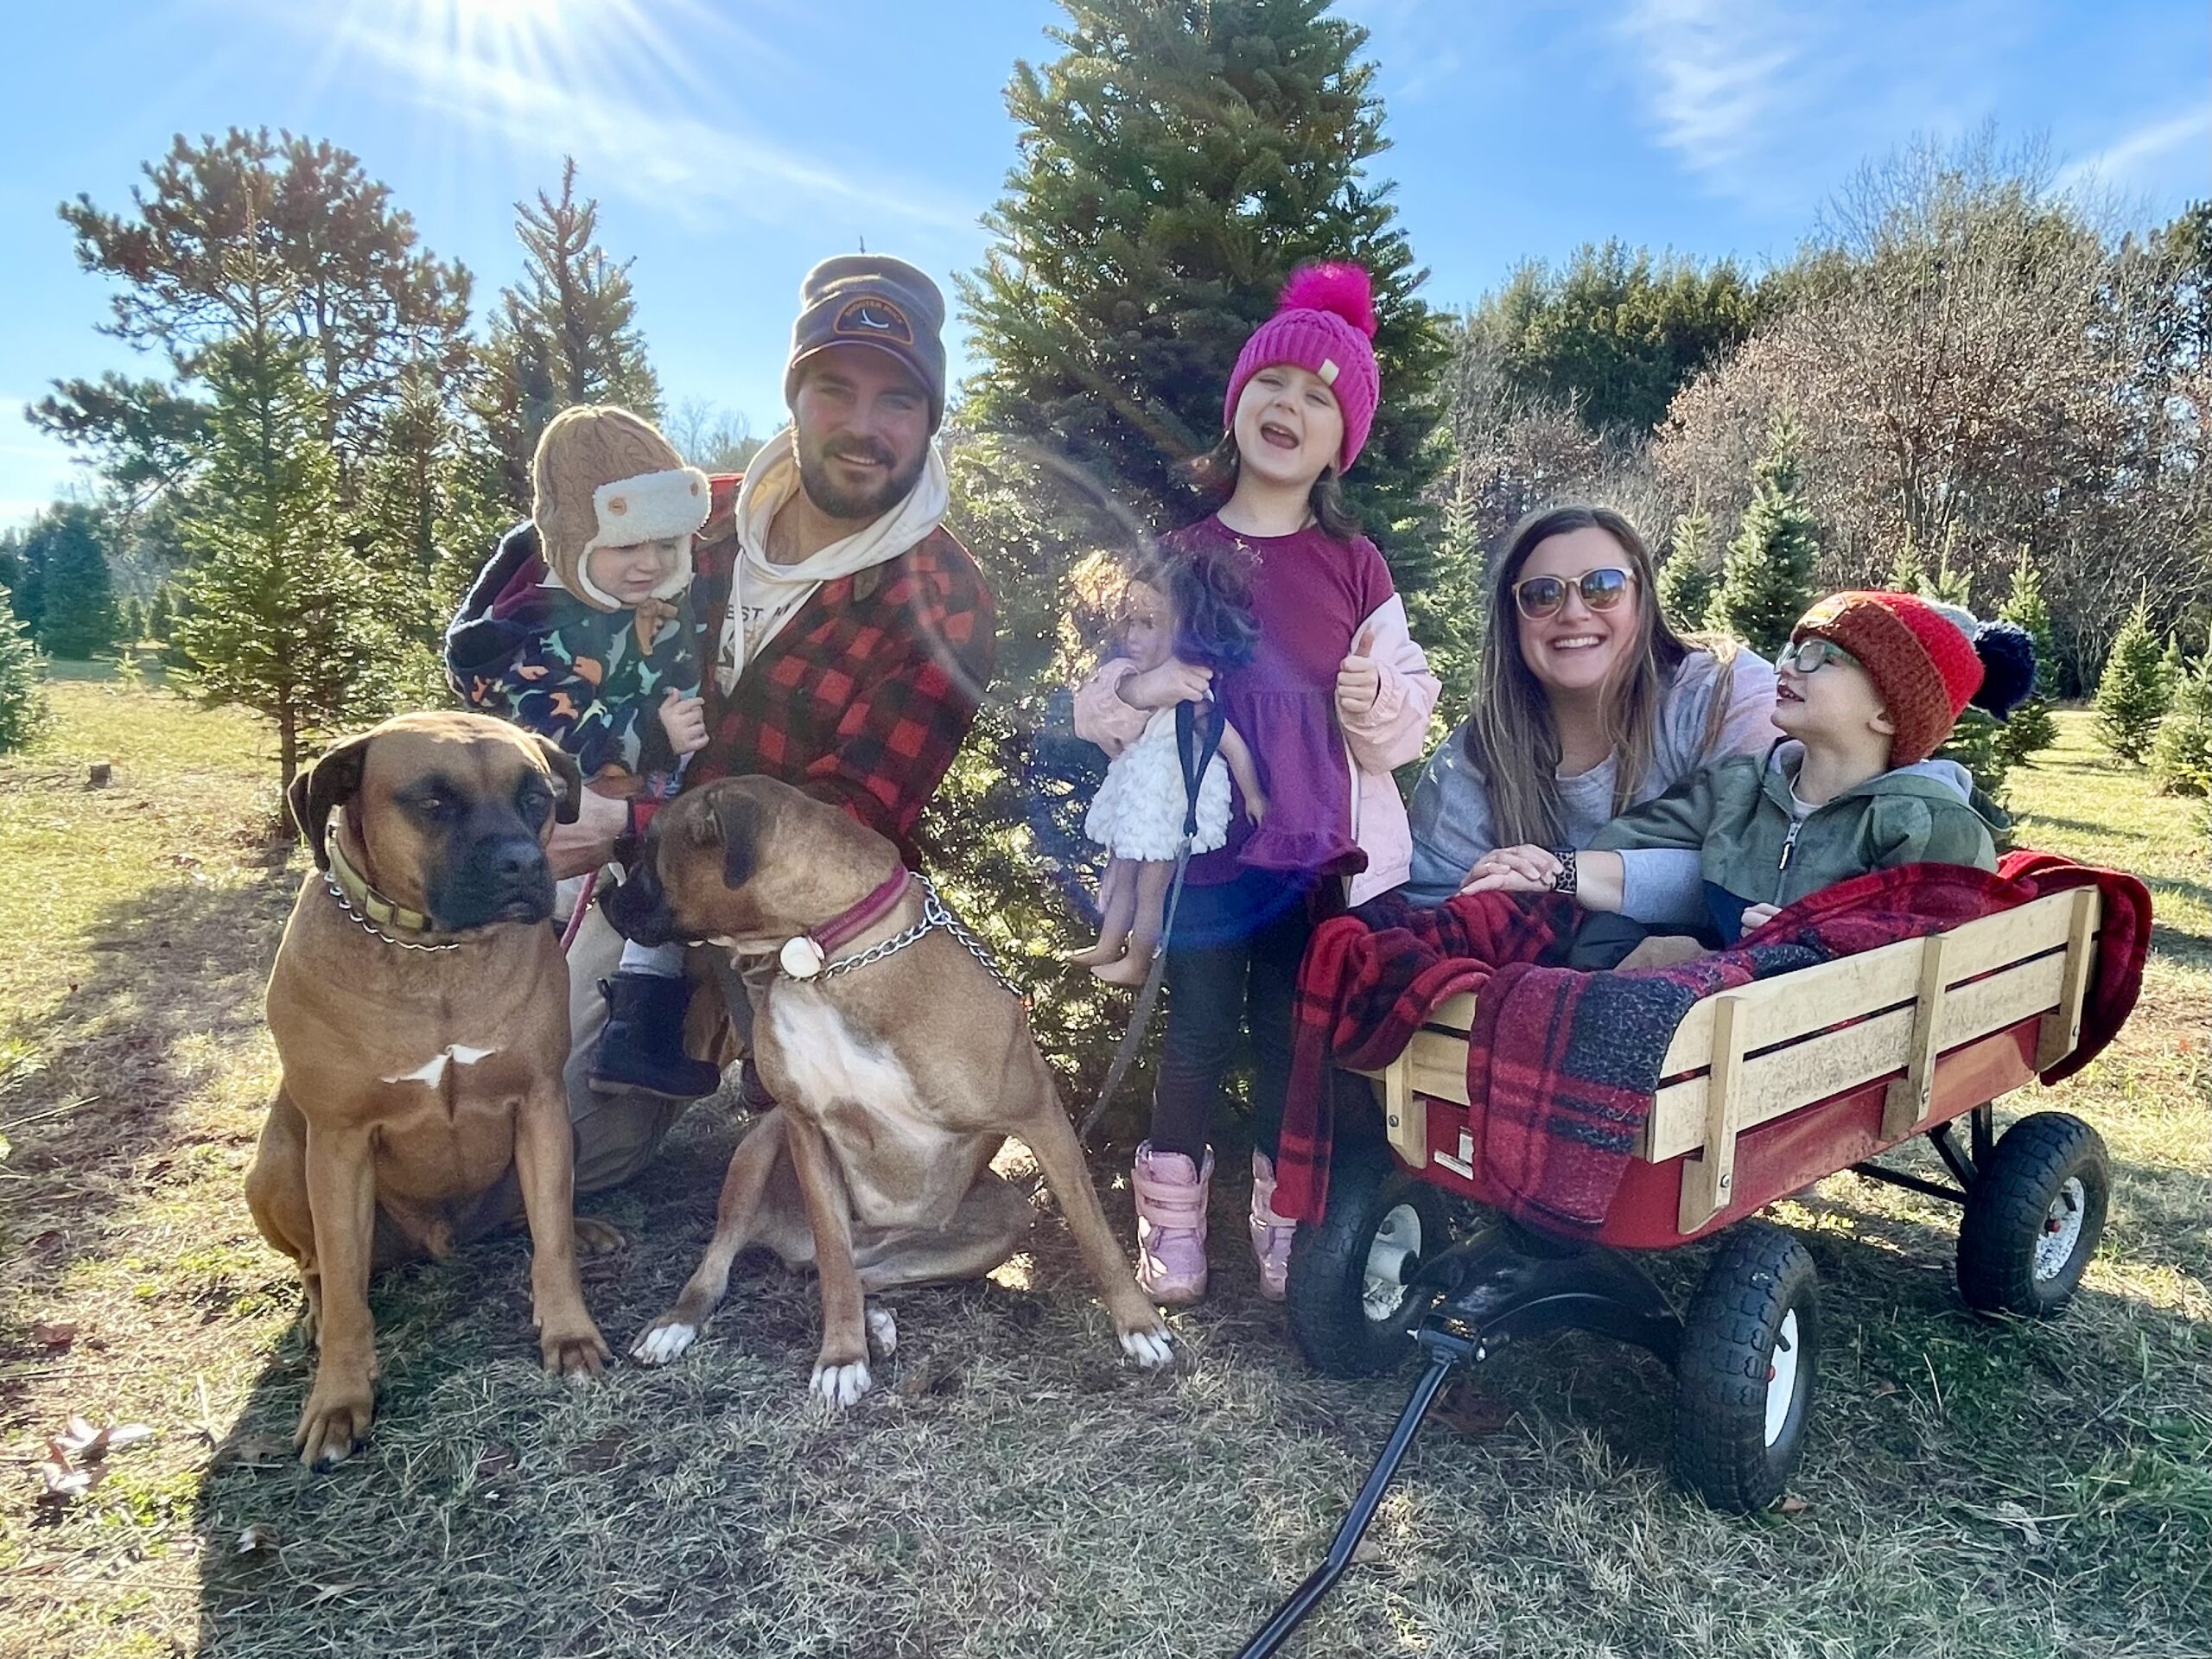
{"x": 566, "y": 333}
{"x": 1766, "y": 581}
{"x": 2132, "y": 693}
{"x": 22, "y": 682}
{"x": 2031, "y": 728}
{"x": 130, "y": 621}
{"x": 1908, "y": 572}
{"x": 159, "y": 620}
{"x": 2181, "y": 757}
{"x": 283, "y": 619}
{"x": 1686, "y": 579}
{"x": 76, "y": 612}
{"x": 1176, "y": 163}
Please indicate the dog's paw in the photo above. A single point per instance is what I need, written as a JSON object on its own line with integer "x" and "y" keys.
{"x": 840, "y": 1384}
{"x": 335, "y": 1421}
{"x": 663, "y": 1340}
{"x": 1149, "y": 1348}
{"x": 576, "y": 1352}
{"x": 883, "y": 1331}
{"x": 597, "y": 1237}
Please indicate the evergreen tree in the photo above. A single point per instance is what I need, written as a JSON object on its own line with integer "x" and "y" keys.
{"x": 22, "y": 682}
{"x": 284, "y": 618}
{"x": 566, "y": 333}
{"x": 1176, "y": 163}
{"x": 2181, "y": 757}
{"x": 2031, "y": 728}
{"x": 1617, "y": 332}
{"x": 130, "y": 621}
{"x": 423, "y": 525}
{"x": 76, "y": 598}
{"x": 159, "y": 620}
{"x": 2132, "y": 694}
{"x": 1766, "y": 581}
{"x": 1686, "y": 579}
{"x": 369, "y": 300}
{"x": 1908, "y": 572}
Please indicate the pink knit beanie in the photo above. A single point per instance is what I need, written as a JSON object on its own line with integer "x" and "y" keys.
{"x": 1326, "y": 325}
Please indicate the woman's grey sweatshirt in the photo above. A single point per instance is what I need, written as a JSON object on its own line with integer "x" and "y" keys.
{"x": 1451, "y": 811}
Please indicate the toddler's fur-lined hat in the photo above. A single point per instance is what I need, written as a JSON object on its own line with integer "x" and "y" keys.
{"x": 604, "y": 477}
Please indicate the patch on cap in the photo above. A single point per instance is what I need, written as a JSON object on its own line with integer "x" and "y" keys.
{"x": 1824, "y": 612}
{"x": 874, "y": 317}
{"x": 616, "y": 503}
{"x": 1329, "y": 370}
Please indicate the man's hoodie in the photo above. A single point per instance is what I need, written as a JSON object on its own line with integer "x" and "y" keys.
{"x": 1734, "y": 836}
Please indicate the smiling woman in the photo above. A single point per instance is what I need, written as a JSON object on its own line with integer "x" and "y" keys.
{"x": 1599, "y": 705}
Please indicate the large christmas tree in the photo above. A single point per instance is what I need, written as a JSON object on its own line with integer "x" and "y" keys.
{"x": 1176, "y": 163}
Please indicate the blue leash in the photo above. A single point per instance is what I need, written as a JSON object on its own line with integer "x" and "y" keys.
{"x": 1195, "y": 748}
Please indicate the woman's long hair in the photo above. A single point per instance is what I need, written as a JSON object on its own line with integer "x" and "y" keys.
{"x": 1511, "y": 736}
{"x": 1214, "y": 473}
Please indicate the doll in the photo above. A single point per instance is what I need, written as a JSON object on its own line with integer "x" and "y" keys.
{"x": 1192, "y": 610}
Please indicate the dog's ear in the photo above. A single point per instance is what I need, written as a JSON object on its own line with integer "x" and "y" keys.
{"x": 734, "y": 820}
{"x": 571, "y": 775}
{"x": 331, "y": 780}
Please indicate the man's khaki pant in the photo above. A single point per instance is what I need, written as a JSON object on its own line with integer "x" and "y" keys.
{"x": 616, "y": 1134}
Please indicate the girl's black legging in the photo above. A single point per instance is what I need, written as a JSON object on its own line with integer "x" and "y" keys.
{"x": 1234, "y": 964}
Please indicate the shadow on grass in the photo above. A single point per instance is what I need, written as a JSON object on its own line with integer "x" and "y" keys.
{"x": 177, "y": 976}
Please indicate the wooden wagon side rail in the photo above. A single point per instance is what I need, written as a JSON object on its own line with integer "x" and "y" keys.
{"x": 1746, "y": 1057}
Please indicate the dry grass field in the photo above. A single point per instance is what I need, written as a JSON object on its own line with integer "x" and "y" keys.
{"x": 1971, "y": 1487}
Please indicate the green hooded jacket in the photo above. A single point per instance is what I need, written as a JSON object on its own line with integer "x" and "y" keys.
{"x": 1750, "y": 847}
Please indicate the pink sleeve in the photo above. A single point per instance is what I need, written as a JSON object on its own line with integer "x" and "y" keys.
{"x": 1101, "y": 716}
{"x": 1394, "y": 729}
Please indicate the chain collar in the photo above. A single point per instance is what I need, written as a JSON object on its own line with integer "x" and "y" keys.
{"x": 935, "y": 915}
{"x": 344, "y": 903}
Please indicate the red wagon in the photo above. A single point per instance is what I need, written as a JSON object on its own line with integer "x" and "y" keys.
{"x": 1766, "y": 1090}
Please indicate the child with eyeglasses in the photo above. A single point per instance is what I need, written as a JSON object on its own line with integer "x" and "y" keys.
{"x": 1871, "y": 685}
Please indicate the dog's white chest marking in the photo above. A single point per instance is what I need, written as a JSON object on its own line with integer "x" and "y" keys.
{"x": 829, "y": 1063}
{"x": 432, "y": 1071}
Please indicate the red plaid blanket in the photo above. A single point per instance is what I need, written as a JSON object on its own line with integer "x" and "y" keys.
{"x": 1563, "y": 1065}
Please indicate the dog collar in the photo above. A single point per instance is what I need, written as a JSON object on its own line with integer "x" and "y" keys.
{"x": 371, "y": 909}
{"x": 804, "y": 956}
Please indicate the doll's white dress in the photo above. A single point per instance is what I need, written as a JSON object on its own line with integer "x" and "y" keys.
{"x": 1138, "y": 811}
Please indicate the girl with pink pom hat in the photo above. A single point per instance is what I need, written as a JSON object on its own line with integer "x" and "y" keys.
{"x": 1335, "y": 696}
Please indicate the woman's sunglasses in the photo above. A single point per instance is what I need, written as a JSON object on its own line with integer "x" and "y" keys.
{"x": 1810, "y": 656}
{"x": 1542, "y": 596}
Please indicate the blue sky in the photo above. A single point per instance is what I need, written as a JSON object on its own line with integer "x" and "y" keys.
{"x": 732, "y": 143}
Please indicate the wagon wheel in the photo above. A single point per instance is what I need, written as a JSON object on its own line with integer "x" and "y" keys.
{"x": 1745, "y": 1378}
{"x": 1350, "y": 1300}
{"x": 2034, "y": 1215}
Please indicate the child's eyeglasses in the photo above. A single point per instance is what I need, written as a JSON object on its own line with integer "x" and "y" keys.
{"x": 1542, "y": 596}
{"x": 1810, "y": 656}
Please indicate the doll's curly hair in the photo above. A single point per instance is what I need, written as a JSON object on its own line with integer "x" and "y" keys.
{"x": 1210, "y": 589}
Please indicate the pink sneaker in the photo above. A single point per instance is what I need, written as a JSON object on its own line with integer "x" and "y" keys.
{"x": 1271, "y": 1233}
{"x": 1171, "y": 1225}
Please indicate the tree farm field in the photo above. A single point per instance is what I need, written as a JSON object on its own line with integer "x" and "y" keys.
{"x": 1971, "y": 1486}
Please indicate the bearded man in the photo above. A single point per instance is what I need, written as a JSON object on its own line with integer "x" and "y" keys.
{"x": 851, "y": 639}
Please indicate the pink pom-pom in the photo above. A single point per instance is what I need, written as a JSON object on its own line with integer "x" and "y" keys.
{"x": 1341, "y": 288}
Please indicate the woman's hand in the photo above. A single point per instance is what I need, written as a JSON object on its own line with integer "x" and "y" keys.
{"x": 1757, "y": 916}
{"x": 684, "y": 720}
{"x": 1174, "y": 681}
{"x": 1359, "y": 678}
{"x": 1256, "y": 808}
{"x": 589, "y": 842}
{"x": 1513, "y": 869}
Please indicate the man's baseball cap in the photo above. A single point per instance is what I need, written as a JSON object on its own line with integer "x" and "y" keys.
{"x": 870, "y": 300}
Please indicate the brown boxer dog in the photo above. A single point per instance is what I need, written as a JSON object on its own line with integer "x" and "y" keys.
{"x": 897, "y": 1078}
{"x": 420, "y": 1007}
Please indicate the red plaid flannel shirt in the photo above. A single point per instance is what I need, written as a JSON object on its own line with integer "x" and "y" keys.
{"x": 863, "y": 698}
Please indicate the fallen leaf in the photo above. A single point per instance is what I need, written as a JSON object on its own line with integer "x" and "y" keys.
{"x": 60, "y": 1334}
{"x": 63, "y": 1480}
{"x": 328, "y": 1591}
{"x": 1368, "y": 1553}
{"x": 596, "y": 1457}
{"x": 1792, "y": 1505}
{"x": 251, "y": 1452}
{"x": 89, "y": 1444}
{"x": 256, "y": 1539}
{"x": 1883, "y": 1389}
